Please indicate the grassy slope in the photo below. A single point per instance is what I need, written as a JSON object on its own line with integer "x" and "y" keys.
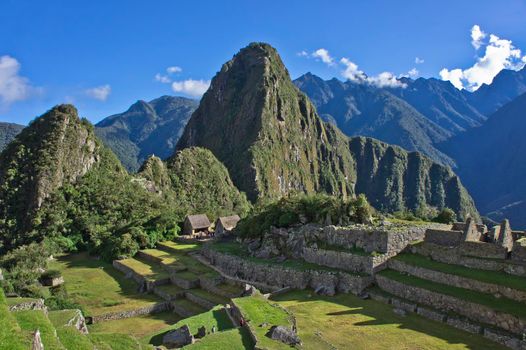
{"x": 98, "y": 286}
{"x": 261, "y": 316}
{"x": 232, "y": 339}
{"x": 501, "y": 304}
{"x": 336, "y": 322}
{"x": 10, "y": 334}
{"x": 31, "y": 320}
{"x": 493, "y": 277}
{"x": 216, "y": 317}
{"x": 111, "y": 341}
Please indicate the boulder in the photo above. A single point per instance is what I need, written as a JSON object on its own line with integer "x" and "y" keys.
{"x": 201, "y": 332}
{"x": 178, "y": 338}
{"x": 249, "y": 290}
{"x": 284, "y": 335}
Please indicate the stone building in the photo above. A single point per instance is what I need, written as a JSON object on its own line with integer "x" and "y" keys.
{"x": 194, "y": 224}
{"x": 225, "y": 224}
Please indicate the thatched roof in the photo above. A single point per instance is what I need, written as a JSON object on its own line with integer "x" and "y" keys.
{"x": 198, "y": 222}
{"x": 228, "y": 222}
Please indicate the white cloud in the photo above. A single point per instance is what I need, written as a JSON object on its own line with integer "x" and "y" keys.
{"x": 477, "y": 35}
{"x": 498, "y": 54}
{"x": 384, "y": 79}
{"x": 419, "y": 60}
{"x": 13, "y": 87}
{"x": 191, "y": 87}
{"x": 324, "y": 55}
{"x": 100, "y": 93}
{"x": 413, "y": 73}
{"x": 174, "y": 69}
{"x": 302, "y": 53}
{"x": 162, "y": 78}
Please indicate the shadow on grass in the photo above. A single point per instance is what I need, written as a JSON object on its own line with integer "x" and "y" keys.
{"x": 382, "y": 314}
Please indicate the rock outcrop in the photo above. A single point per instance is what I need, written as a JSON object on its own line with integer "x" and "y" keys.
{"x": 284, "y": 335}
{"x": 178, "y": 338}
{"x": 270, "y": 138}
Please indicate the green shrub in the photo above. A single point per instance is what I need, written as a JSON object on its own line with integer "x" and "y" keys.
{"x": 51, "y": 274}
{"x": 446, "y": 216}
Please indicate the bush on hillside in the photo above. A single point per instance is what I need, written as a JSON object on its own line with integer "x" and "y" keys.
{"x": 446, "y": 216}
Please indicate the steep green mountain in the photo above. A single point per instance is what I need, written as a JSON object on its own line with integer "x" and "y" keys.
{"x": 505, "y": 87}
{"x": 60, "y": 183}
{"x": 440, "y": 102}
{"x": 8, "y": 131}
{"x": 197, "y": 181}
{"x": 363, "y": 109}
{"x": 271, "y": 140}
{"x": 491, "y": 162}
{"x": 146, "y": 128}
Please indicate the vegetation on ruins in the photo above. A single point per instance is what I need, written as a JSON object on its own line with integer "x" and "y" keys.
{"x": 296, "y": 209}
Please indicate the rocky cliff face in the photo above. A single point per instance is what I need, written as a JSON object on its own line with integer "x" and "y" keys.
{"x": 270, "y": 138}
{"x": 8, "y": 131}
{"x": 55, "y": 149}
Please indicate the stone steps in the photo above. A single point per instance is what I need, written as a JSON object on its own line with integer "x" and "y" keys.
{"x": 186, "y": 308}
{"x": 224, "y": 289}
{"x": 462, "y": 277}
{"x": 450, "y": 318}
{"x": 205, "y": 299}
{"x": 185, "y": 280}
{"x": 169, "y": 292}
{"x": 503, "y": 313}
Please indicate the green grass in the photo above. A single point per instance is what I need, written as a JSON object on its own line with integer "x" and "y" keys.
{"x": 261, "y": 315}
{"x": 179, "y": 247}
{"x": 61, "y": 317}
{"x": 11, "y": 336}
{"x": 145, "y": 268}
{"x": 189, "y": 306}
{"x": 170, "y": 289}
{"x": 232, "y": 339}
{"x": 19, "y": 300}
{"x": 136, "y": 326}
{"x": 110, "y": 341}
{"x": 98, "y": 286}
{"x": 31, "y": 320}
{"x": 232, "y": 248}
{"x": 216, "y": 317}
{"x": 72, "y": 339}
{"x": 209, "y": 296}
{"x": 493, "y": 277}
{"x": 345, "y": 321}
{"x": 498, "y": 304}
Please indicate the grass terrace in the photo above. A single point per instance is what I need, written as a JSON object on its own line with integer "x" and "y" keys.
{"x": 216, "y": 317}
{"x": 115, "y": 341}
{"x": 261, "y": 315}
{"x": 10, "y": 333}
{"x": 494, "y": 277}
{"x": 499, "y": 304}
{"x": 19, "y": 300}
{"x": 236, "y": 249}
{"x": 232, "y": 339}
{"x": 98, "y": 287}
{"x": 146, "y": 269}
{"x": 326, "y": 323}
{"x": 31, "y": 320}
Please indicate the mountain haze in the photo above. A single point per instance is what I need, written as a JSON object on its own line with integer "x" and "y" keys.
{"x": 270, "y": 138}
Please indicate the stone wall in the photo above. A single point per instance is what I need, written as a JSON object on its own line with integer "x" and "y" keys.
{"x": 457, "y": 281}
{"x": 278, "y": 276}
{"x": 444, "y": 237}
{"x": 347, "y": 261}
{"x": 476, "y": 312}
{"x": 147, "y": 310}
{"x": 146, "y": 284}
{"x": 483, "y": 250}
{"x": 455, "y": 255}
{"x": 37, "y": 304}
{"x": 519, "y": 250}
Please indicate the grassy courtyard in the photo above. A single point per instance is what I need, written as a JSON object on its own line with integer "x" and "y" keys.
{"x": 345, "y": 321}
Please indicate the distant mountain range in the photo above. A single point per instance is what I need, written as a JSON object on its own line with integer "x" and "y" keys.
{"x": 8, "y": 131}
{"x": 146, "y": 128}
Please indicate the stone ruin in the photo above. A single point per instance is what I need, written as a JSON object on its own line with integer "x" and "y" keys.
{"x": 498, "y": 242}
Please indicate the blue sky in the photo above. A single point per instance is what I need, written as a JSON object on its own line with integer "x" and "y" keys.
{"x": 104, "y": 55}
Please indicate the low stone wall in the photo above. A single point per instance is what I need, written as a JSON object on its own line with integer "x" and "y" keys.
{"x": 457, "y": 281}
{"x": 454, "y": 255}
{"x": 147, "y": 310}
{"x": 147, "y": 284}
{"x": 476, "y": 312}
{"x": 519, "y": 251}
{"x": 167, "y": 296}
{"x": 37, "y": 304}
{"x": 444, "y": 237}
{"x": 483, "y": 250}
{"x": 207, "y": 304}
{"x": 211, "y": 285}
{"x": 184, "y": 283}
{"x": 279, "y": 276}
{"x": 345, "y": 260}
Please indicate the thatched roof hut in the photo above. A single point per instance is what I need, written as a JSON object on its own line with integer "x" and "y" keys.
{"x": 226, "y": 224}
{"x": 195, "y": 223}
